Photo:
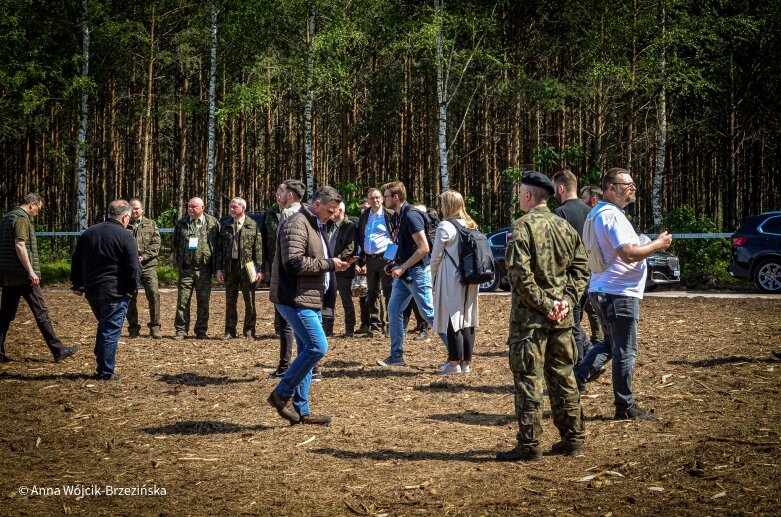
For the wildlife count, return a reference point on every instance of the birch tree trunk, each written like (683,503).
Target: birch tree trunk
(212,90)
(82,184)
(309,101)
(145,166)
(656,197)
(441,101)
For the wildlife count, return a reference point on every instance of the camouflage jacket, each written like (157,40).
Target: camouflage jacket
(147,238)
(546,261)
(203,256)
(247,242)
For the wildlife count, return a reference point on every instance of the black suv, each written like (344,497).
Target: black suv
(756,251)
(663,266)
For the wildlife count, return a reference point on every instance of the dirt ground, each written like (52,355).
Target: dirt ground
(190,419)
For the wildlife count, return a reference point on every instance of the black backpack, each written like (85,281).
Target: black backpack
(476,260)
(431,218)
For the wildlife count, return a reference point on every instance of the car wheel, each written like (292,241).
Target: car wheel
(767,276)
(489,287)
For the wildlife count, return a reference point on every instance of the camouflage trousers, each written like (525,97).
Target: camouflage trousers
(235,281)
(149,281)
(536,354)
(201,281)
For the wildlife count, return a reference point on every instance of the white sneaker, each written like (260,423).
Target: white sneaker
(450,370)
(466,369)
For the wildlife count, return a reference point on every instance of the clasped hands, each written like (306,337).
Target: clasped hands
(559,311)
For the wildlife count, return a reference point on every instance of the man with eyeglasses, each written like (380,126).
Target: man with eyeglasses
(106,270)
(20,273)
(615,293)
(375,233)
(194,247)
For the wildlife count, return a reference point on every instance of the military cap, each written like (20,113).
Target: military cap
(297,187)
(537,179)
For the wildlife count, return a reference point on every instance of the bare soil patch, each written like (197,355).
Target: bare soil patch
(190,417)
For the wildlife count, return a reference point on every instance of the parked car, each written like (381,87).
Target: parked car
(663,266)
(756,251)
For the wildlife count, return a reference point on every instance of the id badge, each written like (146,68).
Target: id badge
(390,252)
(192,244)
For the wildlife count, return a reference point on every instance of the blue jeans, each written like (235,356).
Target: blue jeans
(311,345)
(618,316)
(111,317)
(416,285)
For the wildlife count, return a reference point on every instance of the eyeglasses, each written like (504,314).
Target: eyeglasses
(387,195)
(630,184)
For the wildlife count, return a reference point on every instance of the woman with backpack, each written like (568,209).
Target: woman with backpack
(455,305)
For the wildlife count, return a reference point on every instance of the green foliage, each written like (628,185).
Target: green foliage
(166,218)
(167,275)
(350,192)
(703,261)
(56,272)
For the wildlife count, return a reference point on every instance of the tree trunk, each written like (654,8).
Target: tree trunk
(82,183)
(309,101)
(212,95)
(656,197)
(145,166)
(441,101)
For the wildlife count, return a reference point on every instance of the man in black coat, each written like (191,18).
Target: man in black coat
(106,270)
(341,234)
(575,212)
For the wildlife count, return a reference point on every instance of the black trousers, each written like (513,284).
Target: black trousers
(344,288)
(285,332)
(32,294)
(460,344)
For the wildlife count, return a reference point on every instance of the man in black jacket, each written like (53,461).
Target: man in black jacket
(341,235)
(106,270)
(574,211)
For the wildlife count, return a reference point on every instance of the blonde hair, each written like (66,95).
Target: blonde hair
(452,205)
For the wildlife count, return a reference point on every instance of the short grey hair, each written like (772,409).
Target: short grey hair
(138,201)
(240,201)
(327,195)
(30,198)
(118,208)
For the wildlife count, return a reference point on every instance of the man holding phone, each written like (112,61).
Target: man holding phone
(342,234)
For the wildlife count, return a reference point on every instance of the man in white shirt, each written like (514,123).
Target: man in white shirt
(616,292)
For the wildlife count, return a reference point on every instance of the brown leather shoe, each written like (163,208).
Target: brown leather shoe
(284,407)
(316,419)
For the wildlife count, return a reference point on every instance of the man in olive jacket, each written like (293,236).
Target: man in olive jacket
(20,274)
(194,246)
(239,249)
(147,238)
(302,283)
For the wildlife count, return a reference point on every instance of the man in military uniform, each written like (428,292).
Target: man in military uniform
(548,270)
(147,238)
(239,254)
(20,274)
(194,246)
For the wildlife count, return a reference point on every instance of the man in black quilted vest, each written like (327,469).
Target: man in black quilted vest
(20,274)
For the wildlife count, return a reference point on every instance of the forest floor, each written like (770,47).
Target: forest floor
(190,419)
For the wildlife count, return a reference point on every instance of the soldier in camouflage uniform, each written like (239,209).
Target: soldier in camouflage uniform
(239,247)
(194,246)
(147,238)
(548,272)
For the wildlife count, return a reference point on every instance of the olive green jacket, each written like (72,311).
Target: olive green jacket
(147,238)
(203,256)
(247,241)
(12,272)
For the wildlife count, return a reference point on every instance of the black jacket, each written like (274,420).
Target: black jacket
(343,243)
(575,212)
(105,264)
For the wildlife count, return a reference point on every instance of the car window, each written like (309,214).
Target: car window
(772,225)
